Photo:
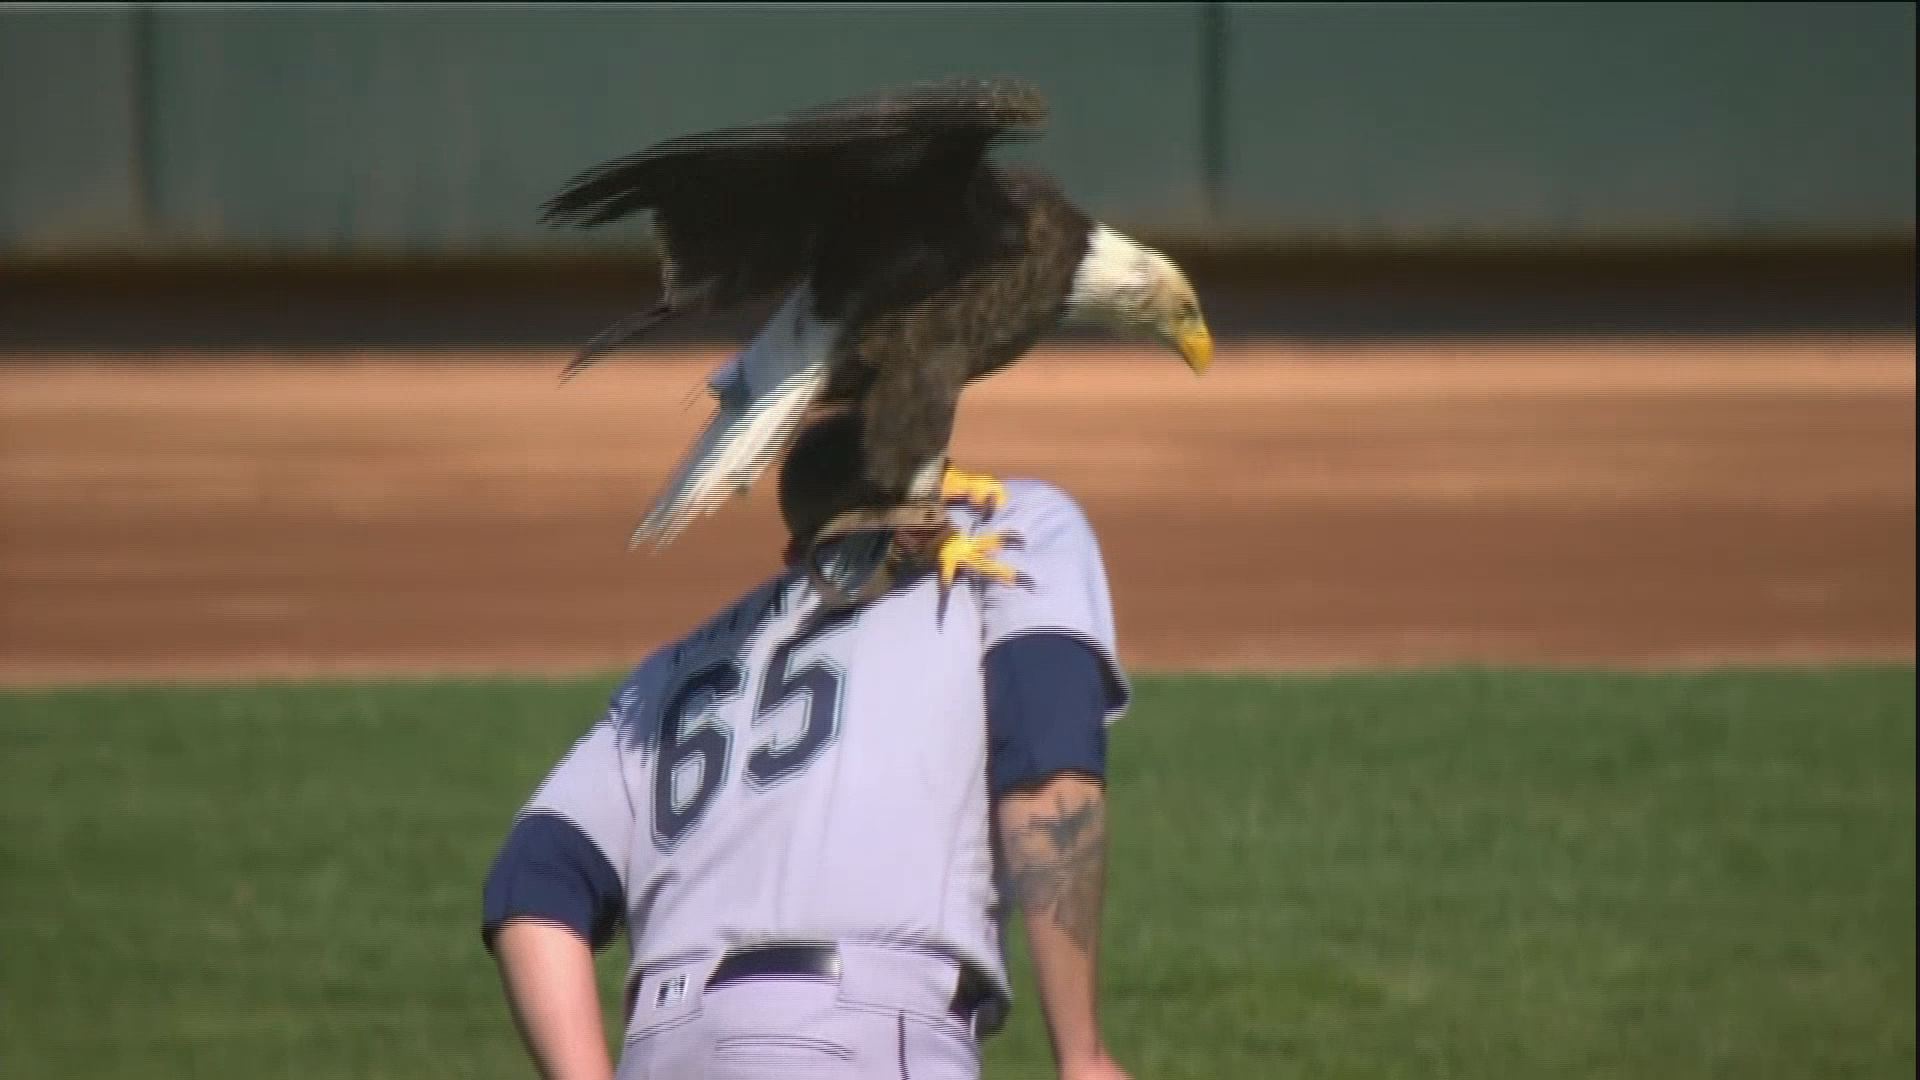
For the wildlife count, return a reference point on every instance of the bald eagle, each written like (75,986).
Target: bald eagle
(910,264)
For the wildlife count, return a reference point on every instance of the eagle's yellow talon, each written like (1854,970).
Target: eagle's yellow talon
(974,554)
(983,493)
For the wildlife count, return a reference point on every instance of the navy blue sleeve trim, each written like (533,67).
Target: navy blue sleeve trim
(1047,697)
(549,870)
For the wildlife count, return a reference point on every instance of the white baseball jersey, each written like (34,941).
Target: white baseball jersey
(777,775)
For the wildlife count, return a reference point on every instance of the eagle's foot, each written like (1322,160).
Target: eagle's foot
(974,554)
(983,493)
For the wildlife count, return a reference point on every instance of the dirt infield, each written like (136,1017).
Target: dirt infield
(1617,504)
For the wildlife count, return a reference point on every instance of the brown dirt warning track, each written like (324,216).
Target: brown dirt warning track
(1615,504)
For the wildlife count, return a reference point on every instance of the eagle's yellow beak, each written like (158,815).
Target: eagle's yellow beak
(1195,345)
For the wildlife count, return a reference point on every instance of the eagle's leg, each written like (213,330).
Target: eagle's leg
(983,493)
(939,481)
(909,422)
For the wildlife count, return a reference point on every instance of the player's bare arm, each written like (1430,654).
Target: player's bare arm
(547,971)
(1057,856)
(1053,840)
(553,897)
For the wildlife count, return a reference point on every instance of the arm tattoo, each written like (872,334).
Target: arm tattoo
(1056,864)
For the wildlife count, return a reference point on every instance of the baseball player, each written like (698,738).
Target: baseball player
(812,821)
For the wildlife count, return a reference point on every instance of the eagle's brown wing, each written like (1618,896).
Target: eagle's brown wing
(738,211)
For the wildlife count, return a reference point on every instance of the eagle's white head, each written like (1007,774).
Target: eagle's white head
(1136,292)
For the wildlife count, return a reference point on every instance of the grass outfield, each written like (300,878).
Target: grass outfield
(1472,875)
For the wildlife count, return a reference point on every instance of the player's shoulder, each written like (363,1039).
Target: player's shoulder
(1040,495)
(1044,514)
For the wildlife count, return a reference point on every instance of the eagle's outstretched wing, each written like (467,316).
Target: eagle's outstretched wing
(737,211)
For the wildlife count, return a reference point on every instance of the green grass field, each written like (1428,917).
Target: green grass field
(1471,875)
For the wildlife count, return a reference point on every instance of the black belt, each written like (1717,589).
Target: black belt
(823,962)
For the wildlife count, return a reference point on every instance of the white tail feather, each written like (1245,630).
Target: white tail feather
(737,445)
(763,393)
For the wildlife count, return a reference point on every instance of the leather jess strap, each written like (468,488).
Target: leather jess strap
(912,531)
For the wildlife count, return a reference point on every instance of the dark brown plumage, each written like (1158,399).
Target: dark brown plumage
(929,265)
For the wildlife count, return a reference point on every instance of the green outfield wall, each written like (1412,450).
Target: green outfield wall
(350,130)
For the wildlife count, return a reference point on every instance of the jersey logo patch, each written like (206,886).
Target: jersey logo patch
(670,992)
